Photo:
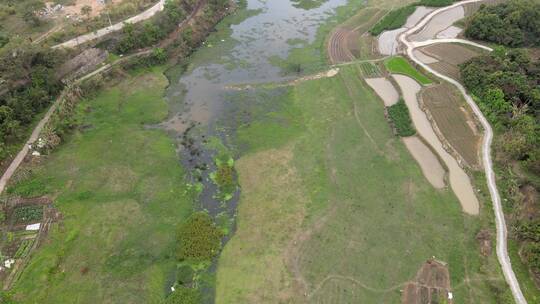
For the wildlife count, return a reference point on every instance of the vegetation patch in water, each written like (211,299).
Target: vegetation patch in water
(399,114)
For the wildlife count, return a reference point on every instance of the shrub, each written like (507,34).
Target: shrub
(184,275)
(198,238)
(399,114)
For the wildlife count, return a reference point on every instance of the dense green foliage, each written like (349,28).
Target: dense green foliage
(505,85)
(198,238)
(28,84)
(399,114)
(397,18)
(150,32)
(513,23)
(529,232)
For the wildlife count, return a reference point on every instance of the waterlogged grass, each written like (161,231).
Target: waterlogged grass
(121,192)
(400,65)
(342,198)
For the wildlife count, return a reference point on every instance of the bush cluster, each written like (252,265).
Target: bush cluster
(198,238)
(514,23)
(399,114)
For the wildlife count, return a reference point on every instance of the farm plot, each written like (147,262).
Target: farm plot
(454,120)
(17,238)
(400,65)
(431,285)
(450,56)
(369,70)
(346,43)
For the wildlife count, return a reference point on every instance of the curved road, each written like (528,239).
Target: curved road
(158,7)
(502,251)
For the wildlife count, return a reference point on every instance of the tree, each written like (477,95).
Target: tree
(86,10)
(30,10)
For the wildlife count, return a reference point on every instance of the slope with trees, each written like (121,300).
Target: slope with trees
(515,23)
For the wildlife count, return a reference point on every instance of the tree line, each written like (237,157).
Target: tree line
(505,84)
(515,23)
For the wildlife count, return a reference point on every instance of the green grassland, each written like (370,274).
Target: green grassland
(344,213)
(121,192)
(400,65)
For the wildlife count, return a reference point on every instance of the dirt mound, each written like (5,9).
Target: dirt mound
(431,285)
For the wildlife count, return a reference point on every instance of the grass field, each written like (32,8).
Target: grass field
(369,217)
(455,120)
(400,65)
(121,191)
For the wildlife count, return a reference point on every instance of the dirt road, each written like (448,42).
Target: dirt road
(158,7)
(502,250)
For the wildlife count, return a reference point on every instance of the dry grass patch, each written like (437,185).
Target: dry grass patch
(253,265)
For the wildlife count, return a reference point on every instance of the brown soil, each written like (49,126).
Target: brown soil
(454,120)
(484,241)
(344,44)
(529,208)
(431,285)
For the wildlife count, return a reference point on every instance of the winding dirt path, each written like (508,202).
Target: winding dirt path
(158,7)
(502,250)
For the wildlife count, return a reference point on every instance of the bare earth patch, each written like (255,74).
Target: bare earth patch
(431,285)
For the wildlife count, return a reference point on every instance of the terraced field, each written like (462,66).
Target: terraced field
(349,41)
(449,56)
(454,120)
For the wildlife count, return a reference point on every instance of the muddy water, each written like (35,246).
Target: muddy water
(198,97)
(257,39)
(439,23)
(459,180)
(428,161)
(385,89)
